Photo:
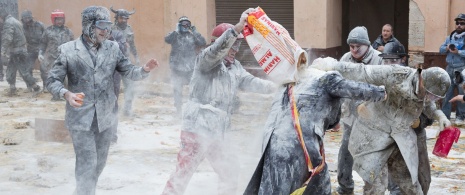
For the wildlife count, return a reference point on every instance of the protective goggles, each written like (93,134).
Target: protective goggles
(432,97)
(236,45)
(186,24)
(103,24)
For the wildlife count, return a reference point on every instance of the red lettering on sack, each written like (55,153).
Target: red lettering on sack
(265,57)
(256,48)
(271,25)
(272,64)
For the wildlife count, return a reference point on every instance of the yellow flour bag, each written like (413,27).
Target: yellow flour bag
(274,49)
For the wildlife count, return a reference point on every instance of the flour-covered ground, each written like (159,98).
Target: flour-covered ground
(145,155)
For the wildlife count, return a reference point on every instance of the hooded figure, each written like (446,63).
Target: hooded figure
(121,24)
(382,137)
(89,63)
(185,42)
(207,114)
(52,38)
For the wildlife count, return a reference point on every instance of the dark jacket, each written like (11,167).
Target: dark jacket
(380,42)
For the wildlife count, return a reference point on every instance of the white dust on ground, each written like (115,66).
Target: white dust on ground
(145,155)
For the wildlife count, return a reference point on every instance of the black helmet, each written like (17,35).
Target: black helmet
(393,50)
(460,17)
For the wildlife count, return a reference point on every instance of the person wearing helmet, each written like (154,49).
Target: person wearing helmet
(360,52)
(52,38)
(89,63)
(384,38)
(206,116)
(33,31)
(382,137)
(453,46)
(14,51)
(394,53)
(185,42)
(121,24)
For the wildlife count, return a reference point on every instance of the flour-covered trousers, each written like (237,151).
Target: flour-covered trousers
(194,149)
(91,148)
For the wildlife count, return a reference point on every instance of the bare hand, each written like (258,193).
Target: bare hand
(75,99)
(150,65)
(243,20)
(381,48)
(457,98)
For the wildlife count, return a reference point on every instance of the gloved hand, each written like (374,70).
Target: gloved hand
(41,58)
(443,122)
(363,111)
(193,29)
(325,64)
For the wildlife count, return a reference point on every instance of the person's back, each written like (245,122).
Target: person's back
(13,35)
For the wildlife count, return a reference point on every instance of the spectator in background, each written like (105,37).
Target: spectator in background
(454,48)
(33,31)
(385,37)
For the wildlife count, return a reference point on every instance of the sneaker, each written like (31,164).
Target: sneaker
(344,191)
(459,121)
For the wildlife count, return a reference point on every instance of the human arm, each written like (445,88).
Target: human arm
(7,39)
(376,75)
(43,45)
(171,37)
(444,48)
(250,83)
(199,40)
(431,112)
(458,98)
(337,86)
(128,70)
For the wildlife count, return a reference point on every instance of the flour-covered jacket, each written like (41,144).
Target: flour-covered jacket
(33,35)
(95,81)
(318,98)
(52,38)
(184,48)
(130,38)
(13,39)
(348,107)
(213,87)
(390,121)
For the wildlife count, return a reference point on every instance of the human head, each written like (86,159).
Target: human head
(358,42)
(58,18)
(460,23)
(96,23)
(217,32)
(26,17)
(393,53)
(184,24)
(436,82)
(386,32)
(121,17)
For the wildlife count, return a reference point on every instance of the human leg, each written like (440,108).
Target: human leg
(192,152)
(224,162)
(85,148)
(400,174)
(344,164)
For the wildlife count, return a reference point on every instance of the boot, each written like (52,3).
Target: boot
(12,91)
(35,90)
